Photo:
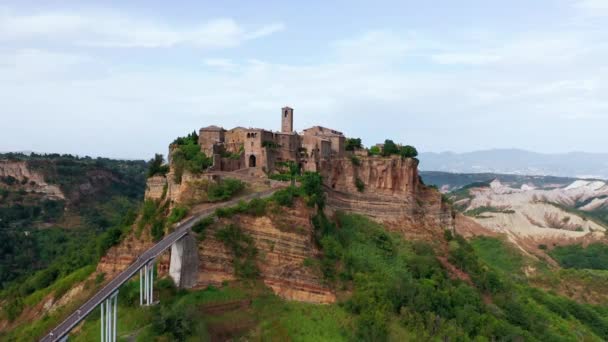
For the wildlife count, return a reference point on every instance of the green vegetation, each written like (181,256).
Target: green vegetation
(153,214)
(477,212)
(390,148)
(224,189)
(239,311)
(270,144)
(360,185)
(176,215)
(156,166)
(594,256)
(400,289)
(43,242)
(353,144)
(375,151)
(355,160)
(242,248)
(287,172)
(389,289)
(187,155)
(201,226)
(234,155)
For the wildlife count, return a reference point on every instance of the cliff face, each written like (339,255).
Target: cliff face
(284,240)
(29,179)
(390,191)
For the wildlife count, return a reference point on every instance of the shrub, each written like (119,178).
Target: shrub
(284,197)
(256,207)
(389,148)
(374,151)
(408,151)
(270,144)
(177,214)
(201,226)
(355,160)
(594,256)
(360,185)
(312,185)
(224,189)
(108,239)
(157,230)
(187,155)
(156,167)
(243,249)
(352,144)
(99,278)
(13,309)
(178,322)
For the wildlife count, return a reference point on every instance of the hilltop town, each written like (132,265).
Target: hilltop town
(262,148)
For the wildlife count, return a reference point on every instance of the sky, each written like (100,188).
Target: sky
(122,79)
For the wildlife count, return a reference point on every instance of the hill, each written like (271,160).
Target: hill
(521,162)
(359,251)
(58,215)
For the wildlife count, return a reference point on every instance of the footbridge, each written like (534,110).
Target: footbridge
(107,297)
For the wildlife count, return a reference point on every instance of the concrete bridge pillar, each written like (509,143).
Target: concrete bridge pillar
(146,284)
(183,268)
(108,318)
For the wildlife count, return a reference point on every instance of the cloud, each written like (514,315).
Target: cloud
(465,58)
(265,31)
(111,30)
(221,63)
(381,83)
(593,7)
(376,46)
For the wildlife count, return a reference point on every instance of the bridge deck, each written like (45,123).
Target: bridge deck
(182,229)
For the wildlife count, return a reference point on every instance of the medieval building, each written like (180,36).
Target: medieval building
(241,147)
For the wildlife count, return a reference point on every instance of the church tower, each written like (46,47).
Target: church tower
(287,120)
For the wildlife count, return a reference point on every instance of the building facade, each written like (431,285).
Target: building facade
(261,148)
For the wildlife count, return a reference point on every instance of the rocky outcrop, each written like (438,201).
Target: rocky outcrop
(156,187)
(121,256)
(284,241)
(29,179)
(389,190)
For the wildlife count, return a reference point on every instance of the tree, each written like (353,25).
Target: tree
(390,148)
(294,171)
(312,184)
(156,166)
(353,144)
(408,151)
(374,151)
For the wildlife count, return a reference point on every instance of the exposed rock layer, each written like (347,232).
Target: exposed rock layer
(391,192)
(31,180)
(284,241)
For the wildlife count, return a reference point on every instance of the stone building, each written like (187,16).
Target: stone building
(241,147)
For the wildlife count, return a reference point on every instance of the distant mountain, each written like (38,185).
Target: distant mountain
(446,181)
(521,162)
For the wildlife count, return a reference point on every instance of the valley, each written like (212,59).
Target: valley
(360,248)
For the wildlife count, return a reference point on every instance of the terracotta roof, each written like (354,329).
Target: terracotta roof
(324,130)
(212,128)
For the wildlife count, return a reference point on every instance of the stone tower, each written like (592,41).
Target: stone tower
(287,120)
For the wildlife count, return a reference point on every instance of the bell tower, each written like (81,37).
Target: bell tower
(286,120)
